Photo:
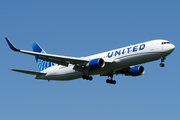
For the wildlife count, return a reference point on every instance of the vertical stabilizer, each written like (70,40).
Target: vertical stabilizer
(42,65)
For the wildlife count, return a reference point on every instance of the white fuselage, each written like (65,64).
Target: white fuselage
(121,58)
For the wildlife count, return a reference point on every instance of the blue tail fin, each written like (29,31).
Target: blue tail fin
(42,65)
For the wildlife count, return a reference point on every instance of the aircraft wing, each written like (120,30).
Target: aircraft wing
(63,60)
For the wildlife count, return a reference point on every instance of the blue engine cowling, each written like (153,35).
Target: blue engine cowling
(96,63)
(136,70)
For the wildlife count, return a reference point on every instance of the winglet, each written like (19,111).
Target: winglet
(11,45)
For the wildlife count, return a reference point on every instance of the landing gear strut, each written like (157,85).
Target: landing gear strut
(162,60)
(111,81)
(87,77)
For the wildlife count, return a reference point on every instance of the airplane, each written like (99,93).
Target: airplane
(124,61)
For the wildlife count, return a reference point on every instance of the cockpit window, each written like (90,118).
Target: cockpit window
(166,43)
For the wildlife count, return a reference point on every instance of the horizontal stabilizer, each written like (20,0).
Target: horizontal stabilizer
(29,72)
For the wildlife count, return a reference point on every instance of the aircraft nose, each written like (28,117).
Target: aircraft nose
(171,48)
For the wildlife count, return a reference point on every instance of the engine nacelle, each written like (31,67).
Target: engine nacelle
(96,63)
(136,71)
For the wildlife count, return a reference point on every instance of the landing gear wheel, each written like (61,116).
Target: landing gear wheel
(107,81)
(90,78)
(162,65)
(114,82)
(111,81)
(84,77)
(87,77)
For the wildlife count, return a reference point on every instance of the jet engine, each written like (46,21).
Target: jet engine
(136,71)
(96,63)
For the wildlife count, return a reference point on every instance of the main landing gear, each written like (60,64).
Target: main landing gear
(111,81)
(87,77)
(162,60)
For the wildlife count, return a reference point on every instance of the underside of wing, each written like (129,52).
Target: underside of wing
(120,71)
(128,71)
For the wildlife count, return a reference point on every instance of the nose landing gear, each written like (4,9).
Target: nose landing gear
(162,65)
(162,60)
